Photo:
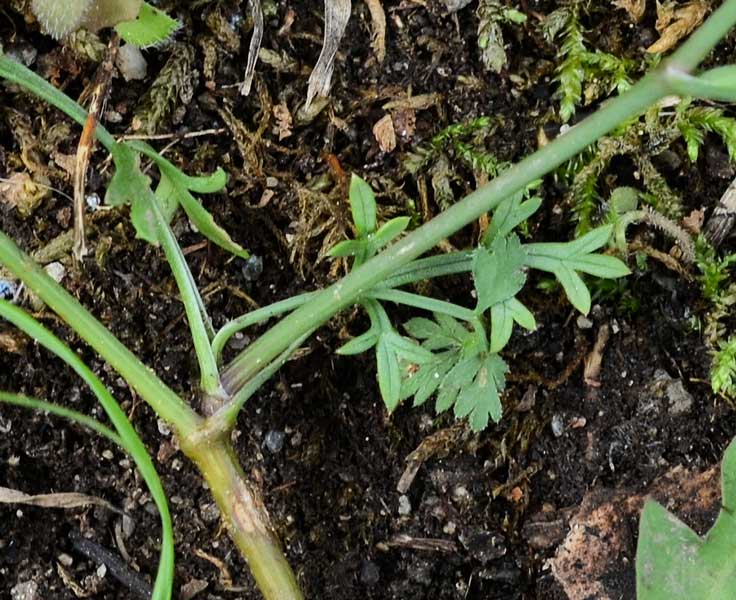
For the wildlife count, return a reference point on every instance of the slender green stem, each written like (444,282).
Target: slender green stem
(429,268)
(382,266)
(345,292)
(424,303)
(162,399)
(62,411)
(684,84)
(128,438)
(209,374)
(254,317)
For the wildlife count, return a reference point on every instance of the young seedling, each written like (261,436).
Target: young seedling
(455,341)
(136,22)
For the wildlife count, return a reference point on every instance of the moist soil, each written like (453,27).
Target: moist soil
(317,439)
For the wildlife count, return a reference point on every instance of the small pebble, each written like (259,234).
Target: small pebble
(131,63)
(370,574)
(28,590)
(93,201)
(275,441)
(253,268)
(56,271)
(65,560)
(404,505)
(558,425)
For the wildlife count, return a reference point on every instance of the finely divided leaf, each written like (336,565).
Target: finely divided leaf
(481,398)
(503,316)
(510,213)
(498,271)
(566,259)
(359,344)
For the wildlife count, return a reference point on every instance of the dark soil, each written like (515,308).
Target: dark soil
(466,527)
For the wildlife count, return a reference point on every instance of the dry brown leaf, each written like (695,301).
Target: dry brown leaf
(61,500)
(10,342)
(418,102)
(283,120)
(675,22)
(256,13)
(635,8)
(693,223)
(22,192)
(384,133)
(378,23)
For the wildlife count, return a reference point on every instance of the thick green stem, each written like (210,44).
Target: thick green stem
(246,518)
(346,291)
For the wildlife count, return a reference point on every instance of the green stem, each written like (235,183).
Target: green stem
(253,318)
(161,398)
(246,518)
(424,303)
(209,374)
(224,420)
(62,411)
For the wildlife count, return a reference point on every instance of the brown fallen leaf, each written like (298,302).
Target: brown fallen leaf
(675,22)
(405,123)
(60,500)
(384,133)
(283,120)
(635,8)
(693,223)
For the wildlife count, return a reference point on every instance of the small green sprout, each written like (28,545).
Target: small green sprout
(136,22)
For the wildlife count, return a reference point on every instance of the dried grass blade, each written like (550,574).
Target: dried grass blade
(60,500)
(255,46)
(337,15)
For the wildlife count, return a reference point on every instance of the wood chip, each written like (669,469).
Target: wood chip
(255,45)
(722,219)
(403,540)
(594,360)
(337,14)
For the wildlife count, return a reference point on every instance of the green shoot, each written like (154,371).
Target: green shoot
(723,369)
(468,373)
